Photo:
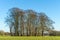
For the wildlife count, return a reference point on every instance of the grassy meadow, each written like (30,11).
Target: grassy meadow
(30,38)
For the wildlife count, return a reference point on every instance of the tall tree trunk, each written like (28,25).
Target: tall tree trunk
(10,30)
(42,32)
(22,26)
(16,27)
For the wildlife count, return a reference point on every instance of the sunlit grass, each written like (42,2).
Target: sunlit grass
(30,38)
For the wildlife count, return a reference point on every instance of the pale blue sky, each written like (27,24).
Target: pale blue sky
(50,7)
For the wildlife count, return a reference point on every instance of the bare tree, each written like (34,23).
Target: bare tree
(13,19)
(21,22)
(45,22)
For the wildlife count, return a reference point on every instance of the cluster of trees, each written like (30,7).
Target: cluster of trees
(28,22)
(54,33)
(2,33)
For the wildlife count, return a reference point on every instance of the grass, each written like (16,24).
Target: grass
(30,38)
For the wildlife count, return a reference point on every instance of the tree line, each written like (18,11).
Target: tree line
(52,33)
(28,22)
(2,33)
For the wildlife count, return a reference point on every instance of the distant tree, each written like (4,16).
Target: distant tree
(2,32)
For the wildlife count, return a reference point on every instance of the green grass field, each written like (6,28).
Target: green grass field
(30,38)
